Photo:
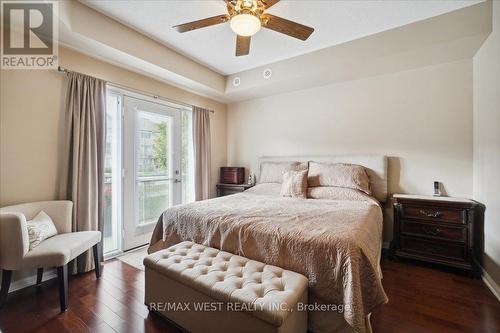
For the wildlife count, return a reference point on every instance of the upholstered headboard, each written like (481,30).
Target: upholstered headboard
(376,167)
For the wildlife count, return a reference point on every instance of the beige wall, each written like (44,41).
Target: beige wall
(421,118)
(487,142)
(32,116)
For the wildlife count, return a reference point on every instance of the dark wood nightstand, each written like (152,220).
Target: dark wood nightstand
(442,230)
(227,189)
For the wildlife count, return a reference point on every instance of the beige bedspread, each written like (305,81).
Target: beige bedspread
(335,243)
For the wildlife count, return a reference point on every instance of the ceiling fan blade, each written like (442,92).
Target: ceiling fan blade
(201,23)
(286,27)
(269,3)
(242,45)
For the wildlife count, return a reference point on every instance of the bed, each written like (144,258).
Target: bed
(335,243)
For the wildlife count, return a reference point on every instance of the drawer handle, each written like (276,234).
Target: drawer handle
(431,249)
(428,214)
(432,232)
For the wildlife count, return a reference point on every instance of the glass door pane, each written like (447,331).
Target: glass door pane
(152,175)
(153,158)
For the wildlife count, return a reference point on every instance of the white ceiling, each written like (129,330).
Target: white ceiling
(335,22)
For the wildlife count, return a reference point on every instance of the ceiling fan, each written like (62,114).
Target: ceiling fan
(246,18)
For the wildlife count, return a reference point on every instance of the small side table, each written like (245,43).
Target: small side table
(227,189)
(441,230)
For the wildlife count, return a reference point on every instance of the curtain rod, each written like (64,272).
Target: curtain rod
(61,69)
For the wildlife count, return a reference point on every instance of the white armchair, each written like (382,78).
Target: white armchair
(56,251)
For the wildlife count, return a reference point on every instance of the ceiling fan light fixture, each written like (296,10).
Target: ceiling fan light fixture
(245,24)
(246,18)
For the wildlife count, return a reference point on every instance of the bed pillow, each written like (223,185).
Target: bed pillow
(40,228)
(336,193)
(272,189)
(339,175)
(272,172)
(294,184)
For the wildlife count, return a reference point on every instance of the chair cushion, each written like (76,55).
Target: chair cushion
(61,249)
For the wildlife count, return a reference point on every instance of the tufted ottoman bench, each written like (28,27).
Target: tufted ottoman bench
(204,289)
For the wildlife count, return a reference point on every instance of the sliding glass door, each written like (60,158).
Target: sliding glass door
(152,166)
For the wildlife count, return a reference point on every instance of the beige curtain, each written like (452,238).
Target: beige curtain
(201,142)
(82,177)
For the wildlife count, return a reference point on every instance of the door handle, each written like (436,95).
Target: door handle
(432,232)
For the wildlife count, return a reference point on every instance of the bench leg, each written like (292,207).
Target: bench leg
(6,278)
(97,263)
(62,276)
(39,276)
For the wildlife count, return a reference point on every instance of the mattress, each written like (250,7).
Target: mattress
(336,244)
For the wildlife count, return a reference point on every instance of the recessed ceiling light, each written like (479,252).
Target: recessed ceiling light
(267,73)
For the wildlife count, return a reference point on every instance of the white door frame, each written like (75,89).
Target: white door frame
(127,208)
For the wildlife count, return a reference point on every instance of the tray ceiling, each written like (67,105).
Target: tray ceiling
(335,22)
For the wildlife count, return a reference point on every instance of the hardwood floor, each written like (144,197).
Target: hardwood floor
(421,299)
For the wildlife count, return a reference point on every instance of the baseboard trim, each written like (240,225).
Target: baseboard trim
(31,281)
(490,283)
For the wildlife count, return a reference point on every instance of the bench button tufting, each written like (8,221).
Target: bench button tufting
(230,275)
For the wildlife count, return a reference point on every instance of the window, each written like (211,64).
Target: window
(112,177)
(187,157)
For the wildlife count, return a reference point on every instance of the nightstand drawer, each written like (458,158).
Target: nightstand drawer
(431,230)
(434,214)
(432,248)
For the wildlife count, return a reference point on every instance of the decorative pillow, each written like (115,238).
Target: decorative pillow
(40,228)
(294,184)
(340,175)
(272,172)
